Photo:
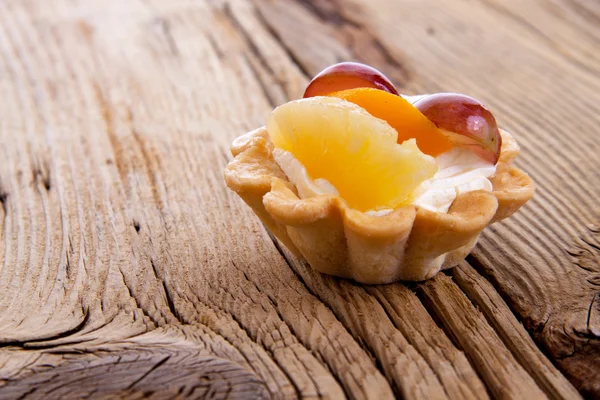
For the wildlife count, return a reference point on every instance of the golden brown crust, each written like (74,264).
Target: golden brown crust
(410,243)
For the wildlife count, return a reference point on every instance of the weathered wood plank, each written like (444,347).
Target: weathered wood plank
(125,262)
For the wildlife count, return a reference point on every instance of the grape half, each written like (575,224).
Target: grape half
(348,75)
(465,121)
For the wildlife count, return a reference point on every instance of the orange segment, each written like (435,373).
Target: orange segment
(401,115)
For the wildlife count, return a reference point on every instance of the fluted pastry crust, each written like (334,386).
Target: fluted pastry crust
(410,243)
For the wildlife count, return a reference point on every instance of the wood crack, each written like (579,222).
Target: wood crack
(171,303)
(527,322)
(41,175)
(329,12)
(247,37)
(215,46)
(165,28)
(3,202)
(589,314)
(378,363)
(277,37)
(39,343)
(152,369)
(27,393)
(431,310)
(257,59)
(138,305)
(260,81)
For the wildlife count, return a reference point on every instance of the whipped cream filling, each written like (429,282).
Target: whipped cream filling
(459,171)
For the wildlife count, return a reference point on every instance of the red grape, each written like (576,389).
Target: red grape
(348,75)
(465,121)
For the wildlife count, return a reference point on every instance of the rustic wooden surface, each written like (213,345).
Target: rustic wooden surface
(127,269)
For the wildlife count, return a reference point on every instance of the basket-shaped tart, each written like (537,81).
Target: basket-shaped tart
(337,230)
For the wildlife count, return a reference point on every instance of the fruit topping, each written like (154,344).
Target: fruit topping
(465,121)
(348,75)
(357,153)
(408,121)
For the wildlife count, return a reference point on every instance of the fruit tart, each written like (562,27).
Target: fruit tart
(374,186)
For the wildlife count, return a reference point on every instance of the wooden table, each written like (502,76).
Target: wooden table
(127,268)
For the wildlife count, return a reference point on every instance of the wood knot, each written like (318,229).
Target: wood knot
(585,252)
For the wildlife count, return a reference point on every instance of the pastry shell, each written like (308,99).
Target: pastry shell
(410,243)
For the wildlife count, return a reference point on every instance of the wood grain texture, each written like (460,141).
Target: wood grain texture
(512,333)
(128,270)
